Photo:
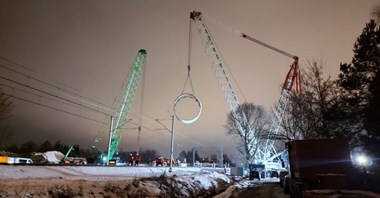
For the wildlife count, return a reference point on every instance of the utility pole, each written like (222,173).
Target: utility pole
(138,141)
(172,145)
(110,140)
(172,140)
(193,156)
(221,157)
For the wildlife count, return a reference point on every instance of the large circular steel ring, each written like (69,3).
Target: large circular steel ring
(187,95)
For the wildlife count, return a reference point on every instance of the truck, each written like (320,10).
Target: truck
(15,160)
(317,164)
(73,160)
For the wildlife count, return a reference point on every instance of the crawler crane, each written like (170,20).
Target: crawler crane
(126,104)
(265,152)
(292,80)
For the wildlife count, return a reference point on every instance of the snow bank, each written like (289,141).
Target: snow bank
(103,181)
(17,172)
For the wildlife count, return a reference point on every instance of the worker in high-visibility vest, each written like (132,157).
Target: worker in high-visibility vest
(130,159)
(137,159)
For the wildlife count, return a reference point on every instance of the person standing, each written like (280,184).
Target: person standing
(137,159)
(130,159)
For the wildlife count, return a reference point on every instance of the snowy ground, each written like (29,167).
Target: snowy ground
(94,181)
(101,181)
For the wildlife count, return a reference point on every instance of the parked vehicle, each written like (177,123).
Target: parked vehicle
(254,174)
(317,164)
(75,161)
(15,160)
(274,173)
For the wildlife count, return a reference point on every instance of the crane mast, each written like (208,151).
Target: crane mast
(292,78)
(218,66)
(126,104)
(269,152)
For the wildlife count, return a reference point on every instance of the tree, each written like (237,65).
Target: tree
(372,115)
(188,155)
(313,113)
(76,152)
(355,77)
(148,155)
(28,147)
(45,146)
(226,160)
(13,148)
(376,13)
(359,81)
(257,120)
(58,146)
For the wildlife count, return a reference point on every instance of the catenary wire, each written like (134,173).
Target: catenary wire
(36,103)
(47,93)
(68,93)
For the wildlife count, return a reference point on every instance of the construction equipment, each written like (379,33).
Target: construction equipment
(68,153)
(73,160)
(101,156)
(126,104)
(292,80)
(218,65)
(317,164)
(265,153)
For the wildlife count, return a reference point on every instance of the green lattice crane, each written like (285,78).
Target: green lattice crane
(121,117)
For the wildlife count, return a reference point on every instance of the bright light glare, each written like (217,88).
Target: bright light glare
(362,160)
(104,159)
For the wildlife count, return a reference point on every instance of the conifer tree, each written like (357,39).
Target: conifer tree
(359,81)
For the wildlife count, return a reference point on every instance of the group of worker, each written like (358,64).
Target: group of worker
(133,160)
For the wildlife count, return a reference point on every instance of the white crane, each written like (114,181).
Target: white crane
(265,152)
(218,65)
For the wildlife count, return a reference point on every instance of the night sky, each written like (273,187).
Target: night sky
(88,47)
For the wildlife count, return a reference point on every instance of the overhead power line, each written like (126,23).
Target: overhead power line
(47,93)
(36,103)
(34,94)
(68,93)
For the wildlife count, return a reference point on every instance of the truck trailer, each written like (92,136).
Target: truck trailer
(317,164)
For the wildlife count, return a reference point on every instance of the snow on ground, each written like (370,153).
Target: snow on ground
(102,181)
(244,183)
(126,181)
(92,172)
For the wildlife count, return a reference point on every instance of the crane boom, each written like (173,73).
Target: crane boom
(126,104)
(268,46)
(292,78)
(218,66)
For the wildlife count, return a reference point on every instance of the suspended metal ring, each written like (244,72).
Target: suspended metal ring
(188,95)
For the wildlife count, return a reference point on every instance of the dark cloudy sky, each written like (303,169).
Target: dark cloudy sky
(88,47)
